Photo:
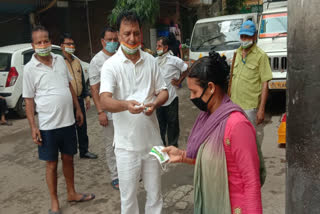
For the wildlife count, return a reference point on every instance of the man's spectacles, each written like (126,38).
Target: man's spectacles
(69,44)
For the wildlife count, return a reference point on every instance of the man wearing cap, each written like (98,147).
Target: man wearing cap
(251,74)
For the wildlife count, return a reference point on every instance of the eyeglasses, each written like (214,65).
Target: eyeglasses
(69,44)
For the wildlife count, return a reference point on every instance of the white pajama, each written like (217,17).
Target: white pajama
(110,156)
(132,165)
(252,116)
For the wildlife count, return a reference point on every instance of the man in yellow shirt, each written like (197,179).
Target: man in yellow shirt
(80,88)
(251,74)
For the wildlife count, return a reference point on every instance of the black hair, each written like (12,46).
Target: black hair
(165,40)
(172,38)
(128,15)
(39,28)
(212,68)
(65,36)
(106,29)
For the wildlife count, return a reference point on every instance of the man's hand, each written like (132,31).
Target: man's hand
(260,117)
(174,153)
(133,107)
(36,136)
(103,119)
(88,104)
(175,82)
(79,117)
(151,107)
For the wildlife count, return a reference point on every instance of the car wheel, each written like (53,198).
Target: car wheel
(21,108)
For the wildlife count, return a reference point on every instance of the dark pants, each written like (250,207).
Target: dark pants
(62,139)
(3,107)
(168,117)
(83,139)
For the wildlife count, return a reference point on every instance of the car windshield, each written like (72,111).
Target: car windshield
(274,25)
(5,62)
(220,35)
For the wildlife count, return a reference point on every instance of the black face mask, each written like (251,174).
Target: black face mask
(203,106)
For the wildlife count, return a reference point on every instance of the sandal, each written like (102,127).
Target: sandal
(84,198)
(51,212)
(7,123)
(115,184)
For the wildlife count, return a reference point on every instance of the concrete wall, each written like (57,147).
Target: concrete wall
(14,29)
(303,126)
(74,20)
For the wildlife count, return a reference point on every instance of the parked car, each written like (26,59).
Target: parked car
(13,58)
(220,34)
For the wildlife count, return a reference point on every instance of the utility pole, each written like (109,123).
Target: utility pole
(303,121)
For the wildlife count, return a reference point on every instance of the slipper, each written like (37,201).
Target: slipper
(7,123)
(83,198)
(58,212)
(115,184)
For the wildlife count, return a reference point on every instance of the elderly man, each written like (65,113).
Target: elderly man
(46,83)
(132,88)
(251,74)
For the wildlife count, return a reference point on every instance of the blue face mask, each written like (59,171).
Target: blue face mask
(111,47)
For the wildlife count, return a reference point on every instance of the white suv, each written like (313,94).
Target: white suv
(13,58)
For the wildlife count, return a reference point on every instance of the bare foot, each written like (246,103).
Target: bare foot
(54,205)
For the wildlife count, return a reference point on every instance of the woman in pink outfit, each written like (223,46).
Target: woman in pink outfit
(229,167)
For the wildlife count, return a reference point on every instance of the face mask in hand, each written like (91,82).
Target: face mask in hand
(111,47)
(246,44)
(203,106)
(43,50)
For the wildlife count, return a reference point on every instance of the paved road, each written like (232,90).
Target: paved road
(22,177)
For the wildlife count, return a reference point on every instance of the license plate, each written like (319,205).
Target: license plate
(277,84)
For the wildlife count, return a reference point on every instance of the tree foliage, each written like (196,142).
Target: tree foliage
(234,6)
(147,10)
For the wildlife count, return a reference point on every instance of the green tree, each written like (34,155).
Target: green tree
(147,10)
(234,6)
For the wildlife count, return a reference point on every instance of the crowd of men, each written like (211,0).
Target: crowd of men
(136,100)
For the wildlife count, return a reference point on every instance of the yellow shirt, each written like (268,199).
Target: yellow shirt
(248,76)
(75,70)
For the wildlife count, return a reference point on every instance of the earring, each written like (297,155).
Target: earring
(211,92)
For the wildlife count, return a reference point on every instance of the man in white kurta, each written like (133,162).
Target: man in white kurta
(132,88)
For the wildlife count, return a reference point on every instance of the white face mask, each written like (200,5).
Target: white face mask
(43,51)
(160,52)
(162,157)
(128,50)
(246,44)
(69,50)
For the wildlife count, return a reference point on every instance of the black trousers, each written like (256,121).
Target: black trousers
(83,140)
(3,107)
(168,117)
